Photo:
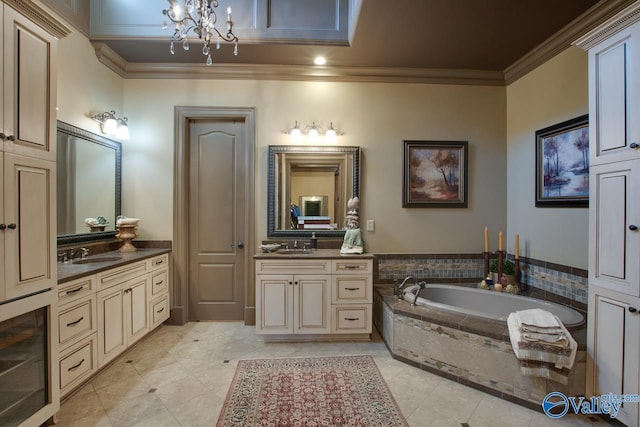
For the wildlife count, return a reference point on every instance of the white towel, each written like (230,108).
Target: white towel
(538,318)
(557,340)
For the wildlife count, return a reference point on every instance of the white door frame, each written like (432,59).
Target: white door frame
(180,292)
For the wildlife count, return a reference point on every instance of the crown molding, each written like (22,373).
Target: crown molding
(297,73)
(610,27)
(564,38)
(40,16)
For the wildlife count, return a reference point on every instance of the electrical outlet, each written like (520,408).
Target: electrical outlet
(371,225)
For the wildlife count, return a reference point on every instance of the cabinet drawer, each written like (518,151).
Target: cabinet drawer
(120,274)
(294,266)
(77,320)
(159,282)
(351,319)
(77,364)
(76,289)
(161,261)
(352,288)
(159,310)
(349,266)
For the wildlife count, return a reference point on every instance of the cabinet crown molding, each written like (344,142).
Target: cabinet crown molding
(40,16)
(615,24)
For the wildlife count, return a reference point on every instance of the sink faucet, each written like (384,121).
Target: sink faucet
(398,288)
(73,252)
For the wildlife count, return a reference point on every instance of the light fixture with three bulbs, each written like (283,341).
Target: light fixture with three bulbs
(313,132)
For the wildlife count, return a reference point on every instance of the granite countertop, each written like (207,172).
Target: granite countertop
(311,254)
(69,271)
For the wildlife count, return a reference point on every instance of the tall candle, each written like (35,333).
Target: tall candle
(500,242)
(517,248)
(486,239)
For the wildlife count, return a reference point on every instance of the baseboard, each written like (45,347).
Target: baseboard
(177,316)
(249,316)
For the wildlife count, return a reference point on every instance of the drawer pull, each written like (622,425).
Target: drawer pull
(73,291)
(352,267)
(76,322)
(159,283)
(75,366)
(161,310)
(158,262)
(351,289)
(351,318)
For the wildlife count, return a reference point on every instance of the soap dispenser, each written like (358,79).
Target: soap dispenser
(314,241)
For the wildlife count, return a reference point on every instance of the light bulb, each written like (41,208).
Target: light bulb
(313,134)
(110,126)
(330,136)
(123,132)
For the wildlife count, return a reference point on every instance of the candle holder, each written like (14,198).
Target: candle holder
(523,287)
(500,261)
(486,264)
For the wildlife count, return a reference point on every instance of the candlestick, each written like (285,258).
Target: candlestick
(517,248)
(500,242)
(229,13)
(486,239)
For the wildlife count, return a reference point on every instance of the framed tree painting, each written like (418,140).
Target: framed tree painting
(562,164)
(435,174)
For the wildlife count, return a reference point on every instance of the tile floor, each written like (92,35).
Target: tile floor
(179,376)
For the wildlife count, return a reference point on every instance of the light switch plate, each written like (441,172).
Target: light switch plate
(371,225)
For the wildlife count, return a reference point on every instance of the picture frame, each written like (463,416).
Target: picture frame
(562,164)
(435,174)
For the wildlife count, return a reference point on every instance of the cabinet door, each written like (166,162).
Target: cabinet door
(312,304)
(614,218)
(111,324)
(29,87)
(614,67)
(613,346)
(29,212)
(274,296)
(136,306)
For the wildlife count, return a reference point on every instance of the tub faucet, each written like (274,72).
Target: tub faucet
(398,289)
(421,285)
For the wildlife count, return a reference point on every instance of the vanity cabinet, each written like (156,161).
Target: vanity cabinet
(103,314)
(613,323)
(298,296)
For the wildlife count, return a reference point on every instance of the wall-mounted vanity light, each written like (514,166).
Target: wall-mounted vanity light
(313,132)
(111,125)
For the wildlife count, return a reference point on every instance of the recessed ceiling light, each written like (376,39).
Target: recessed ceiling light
(320,60)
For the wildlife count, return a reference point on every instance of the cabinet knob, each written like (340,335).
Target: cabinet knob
(633,227)
(239,245)
(290,282)
(632,309)
(7,137)
(3,226)
(634,145)
(12,226)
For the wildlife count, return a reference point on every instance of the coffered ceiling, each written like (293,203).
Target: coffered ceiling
(490,42)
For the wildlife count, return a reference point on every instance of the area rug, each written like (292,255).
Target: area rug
(314,391)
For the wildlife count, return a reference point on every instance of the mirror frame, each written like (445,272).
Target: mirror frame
(65,128)
(271,186)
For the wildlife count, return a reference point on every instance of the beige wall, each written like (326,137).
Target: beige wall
(554,92)
(376,117)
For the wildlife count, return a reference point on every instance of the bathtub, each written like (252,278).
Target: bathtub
(487,304)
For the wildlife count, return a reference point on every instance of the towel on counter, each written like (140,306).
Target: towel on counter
(548,354)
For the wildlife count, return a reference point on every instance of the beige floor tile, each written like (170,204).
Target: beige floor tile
(127,388)
(199,411)
(492,411)
(132,411)
(86,405)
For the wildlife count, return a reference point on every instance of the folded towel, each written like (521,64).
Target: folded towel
(558,340)
(538,318)
(538,351)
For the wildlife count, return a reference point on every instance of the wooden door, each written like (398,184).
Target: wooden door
(29,87)
(136,310)
(312,304)
(29,202)
(614,351)
(614,220)
(111,324)
(217,210)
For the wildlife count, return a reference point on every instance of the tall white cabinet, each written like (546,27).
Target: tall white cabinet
(613,343)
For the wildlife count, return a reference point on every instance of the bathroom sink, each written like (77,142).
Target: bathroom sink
(295,251)
(95,259)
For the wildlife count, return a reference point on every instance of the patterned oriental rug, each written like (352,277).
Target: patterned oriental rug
(316,391)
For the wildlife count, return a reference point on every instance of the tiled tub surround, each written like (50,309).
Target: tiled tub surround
(545,280)
(469,350)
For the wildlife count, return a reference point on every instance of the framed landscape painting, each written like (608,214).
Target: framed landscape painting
(435,174)
(562,164)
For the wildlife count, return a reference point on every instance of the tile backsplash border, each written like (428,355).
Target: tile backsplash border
(545,280)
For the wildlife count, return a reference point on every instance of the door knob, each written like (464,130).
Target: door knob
(632,309)
(634,145)
(633,227)
(239,245)
(12,226)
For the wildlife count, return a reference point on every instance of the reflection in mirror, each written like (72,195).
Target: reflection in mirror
(88,184)
(309,188)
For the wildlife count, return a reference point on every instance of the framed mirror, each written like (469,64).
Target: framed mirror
(89,184)
(308,189)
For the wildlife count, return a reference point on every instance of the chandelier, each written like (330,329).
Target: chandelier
(199,16)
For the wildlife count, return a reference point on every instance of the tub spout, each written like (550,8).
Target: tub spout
(398,288)
(421,285)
